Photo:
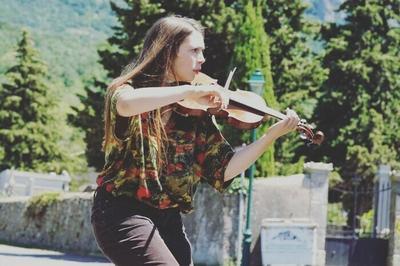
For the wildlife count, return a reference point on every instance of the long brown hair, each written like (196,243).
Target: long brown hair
(154,63)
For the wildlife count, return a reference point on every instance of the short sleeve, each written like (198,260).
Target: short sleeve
(119,124)
(213,154)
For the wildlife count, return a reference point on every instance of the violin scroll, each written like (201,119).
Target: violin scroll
(307,133)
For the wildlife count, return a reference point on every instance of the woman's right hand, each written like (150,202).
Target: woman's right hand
(213,95)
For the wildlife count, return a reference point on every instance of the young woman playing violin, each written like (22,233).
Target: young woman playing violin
(155,156)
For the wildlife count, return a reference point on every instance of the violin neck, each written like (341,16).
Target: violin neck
(265,112)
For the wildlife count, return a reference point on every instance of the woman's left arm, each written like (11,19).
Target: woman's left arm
(246,156)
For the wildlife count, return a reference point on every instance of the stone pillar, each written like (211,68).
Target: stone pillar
(317,181)
(382,208)
(394,237)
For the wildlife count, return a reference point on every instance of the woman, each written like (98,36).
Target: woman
(155,156)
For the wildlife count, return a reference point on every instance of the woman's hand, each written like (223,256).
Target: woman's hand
(213,95)
(286,125)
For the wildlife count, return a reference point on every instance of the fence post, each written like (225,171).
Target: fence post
(382,210)
(29,186)
(394,236)
(10,185)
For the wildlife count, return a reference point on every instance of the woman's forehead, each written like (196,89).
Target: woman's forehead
(195,40)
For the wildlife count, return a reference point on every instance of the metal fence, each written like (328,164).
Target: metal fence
(349,245)
(20,183)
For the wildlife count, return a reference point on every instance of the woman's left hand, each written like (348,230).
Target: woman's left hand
(286,125)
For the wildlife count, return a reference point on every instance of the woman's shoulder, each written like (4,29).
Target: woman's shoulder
(127,86)
(122,89)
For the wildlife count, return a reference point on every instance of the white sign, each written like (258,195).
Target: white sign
(288,243)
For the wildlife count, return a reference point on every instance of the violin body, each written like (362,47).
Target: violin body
(234,114)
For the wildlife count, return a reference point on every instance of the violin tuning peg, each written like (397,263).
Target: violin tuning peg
(303,121)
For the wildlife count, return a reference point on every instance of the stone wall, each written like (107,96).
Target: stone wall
(63,225)
(297,197)
(213,228)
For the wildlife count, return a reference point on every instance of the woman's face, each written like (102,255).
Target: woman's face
(189,58)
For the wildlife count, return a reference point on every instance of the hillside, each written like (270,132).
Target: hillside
(67,33)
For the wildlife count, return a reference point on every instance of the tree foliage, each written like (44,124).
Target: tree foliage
(88,118)
(31,125)
(359,107)
(296,72)
(251,52)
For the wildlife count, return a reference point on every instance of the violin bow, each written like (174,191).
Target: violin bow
(229,79)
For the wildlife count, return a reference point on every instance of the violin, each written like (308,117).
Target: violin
(245,110)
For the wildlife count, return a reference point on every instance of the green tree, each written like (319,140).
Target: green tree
(296,71)
(251,52)
(31,125)
(360,104)
(88,118)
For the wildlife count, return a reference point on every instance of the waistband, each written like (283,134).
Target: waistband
(122,201)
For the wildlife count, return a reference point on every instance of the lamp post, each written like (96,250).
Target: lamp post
(256,83)
(356,180)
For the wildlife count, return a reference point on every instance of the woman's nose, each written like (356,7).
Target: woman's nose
(201,58)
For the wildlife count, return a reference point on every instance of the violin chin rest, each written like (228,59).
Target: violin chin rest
(203,79)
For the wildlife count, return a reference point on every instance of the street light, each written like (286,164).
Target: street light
(356,180)
(256,84)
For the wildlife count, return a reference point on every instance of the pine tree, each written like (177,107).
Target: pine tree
(251,52)
(88,118)
(359,108)
(30,125)
(296,72)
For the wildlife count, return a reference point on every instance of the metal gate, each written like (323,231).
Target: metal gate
(345,246)
(356,252)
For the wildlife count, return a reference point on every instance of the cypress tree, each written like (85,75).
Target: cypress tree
(251,52)
(30,125)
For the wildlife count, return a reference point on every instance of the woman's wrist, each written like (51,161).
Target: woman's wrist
(188,90)
(273,133)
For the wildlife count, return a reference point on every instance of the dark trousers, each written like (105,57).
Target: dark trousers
(131,233)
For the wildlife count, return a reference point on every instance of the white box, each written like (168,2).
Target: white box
(288,242)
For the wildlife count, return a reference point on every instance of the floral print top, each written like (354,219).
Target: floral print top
(196,151)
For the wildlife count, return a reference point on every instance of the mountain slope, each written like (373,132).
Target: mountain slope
(66,33)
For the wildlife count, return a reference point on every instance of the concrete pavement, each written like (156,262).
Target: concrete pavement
(19,256)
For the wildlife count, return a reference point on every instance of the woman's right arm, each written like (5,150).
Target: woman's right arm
(131,101)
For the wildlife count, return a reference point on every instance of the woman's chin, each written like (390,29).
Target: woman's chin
(194,76)
(189,79)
